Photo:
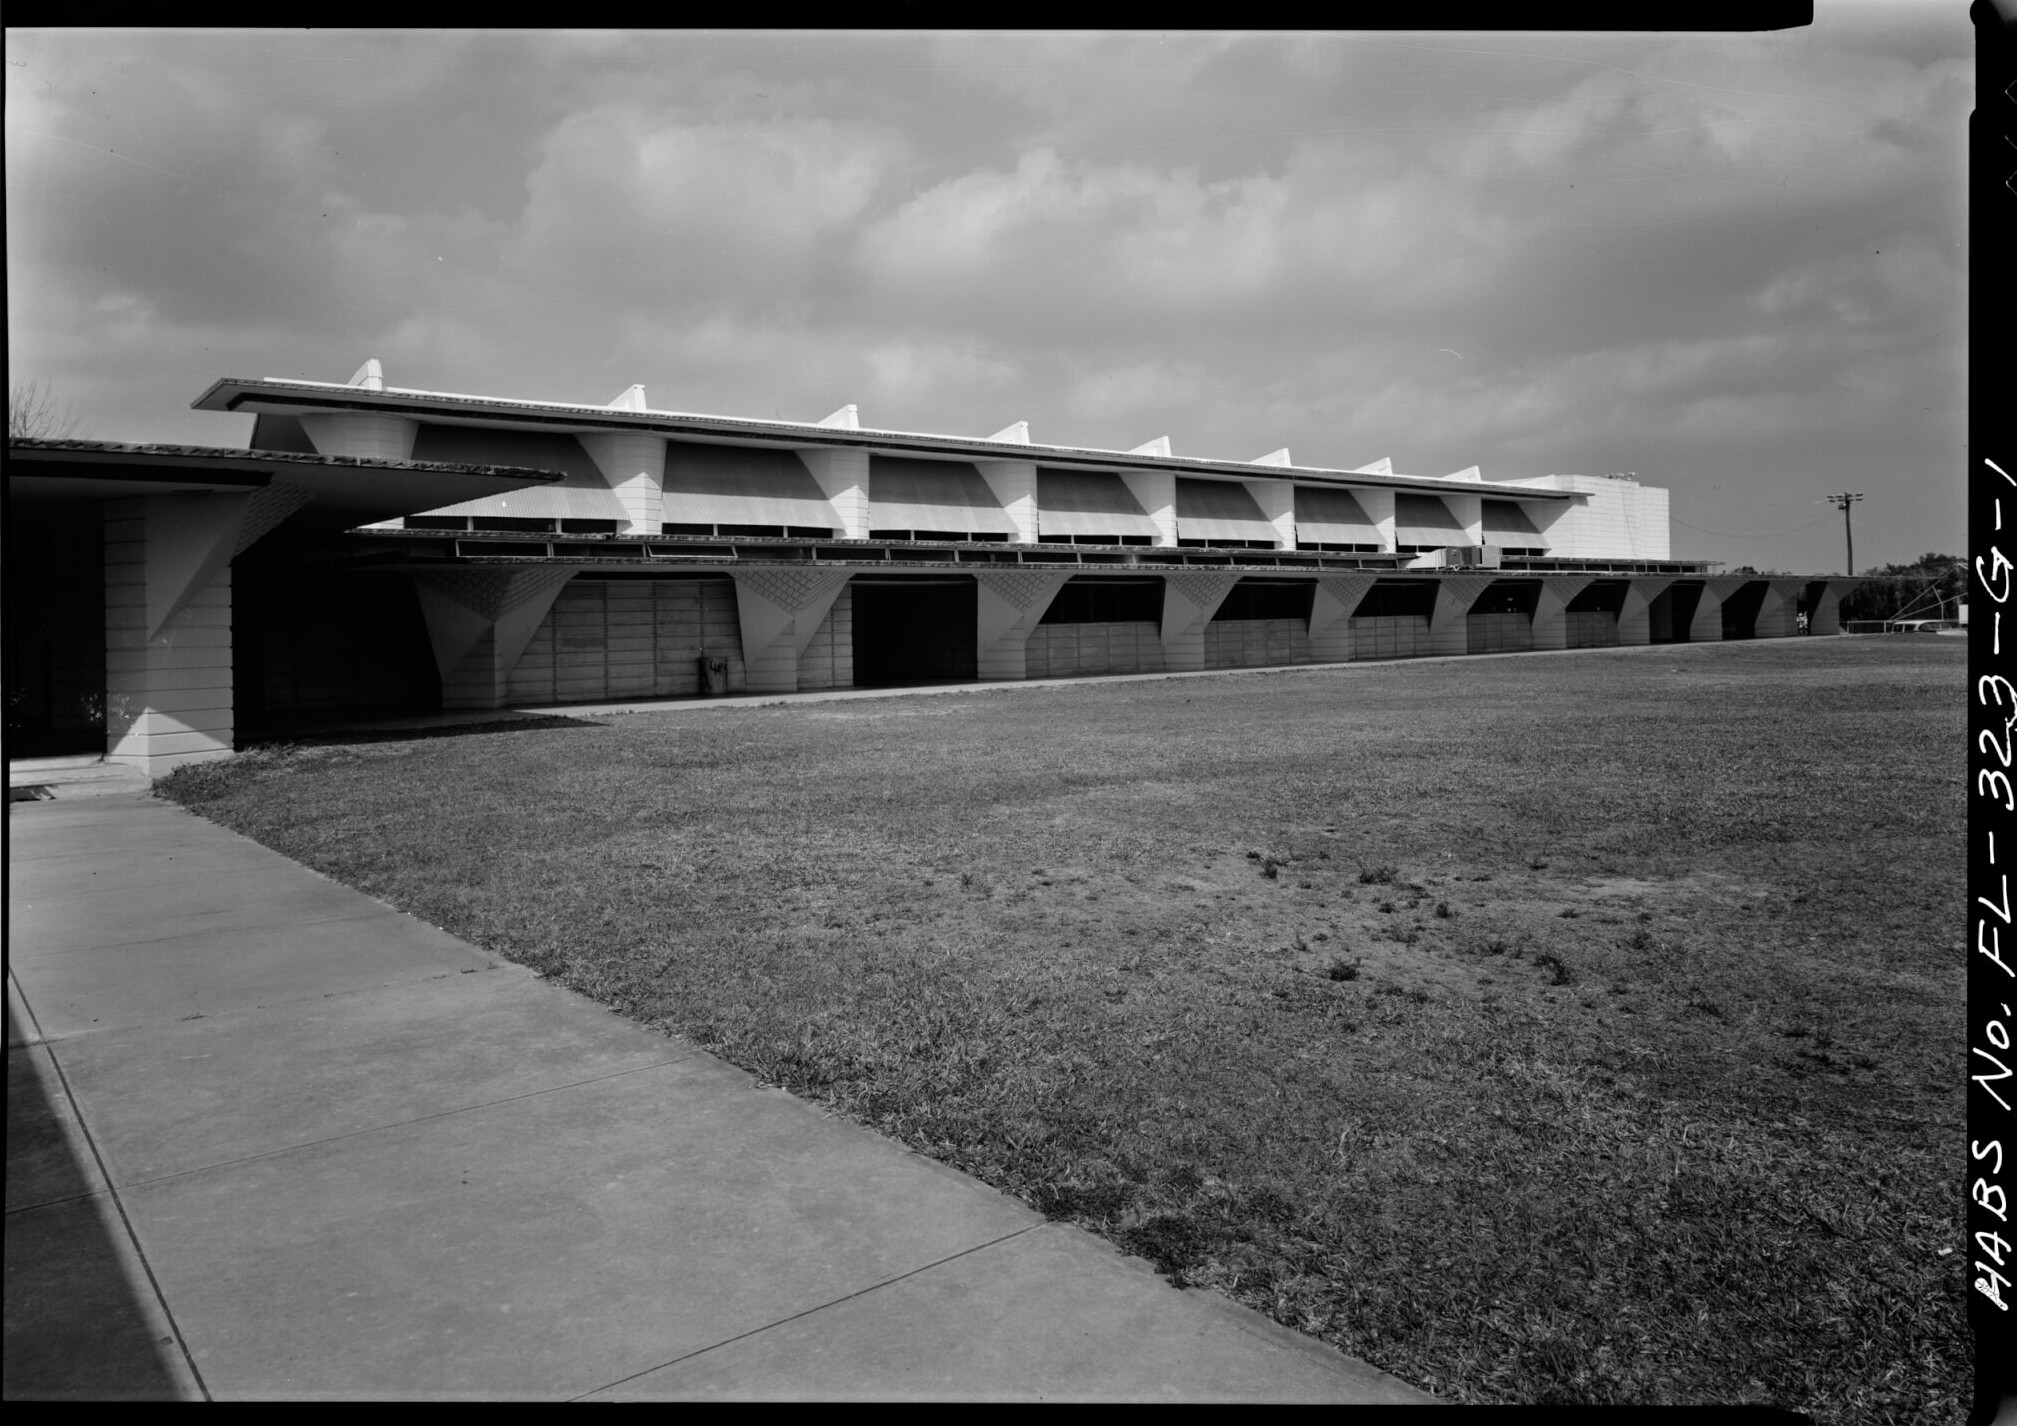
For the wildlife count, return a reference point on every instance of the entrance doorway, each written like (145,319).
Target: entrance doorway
(55,637)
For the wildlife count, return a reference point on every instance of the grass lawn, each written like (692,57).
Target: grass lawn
(1538,1029)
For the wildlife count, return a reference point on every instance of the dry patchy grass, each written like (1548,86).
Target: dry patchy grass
(1544,1030)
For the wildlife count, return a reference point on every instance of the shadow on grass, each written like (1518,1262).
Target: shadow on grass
(343,737)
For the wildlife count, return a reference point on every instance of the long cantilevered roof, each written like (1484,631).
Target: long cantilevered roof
(343,491)
(280,395)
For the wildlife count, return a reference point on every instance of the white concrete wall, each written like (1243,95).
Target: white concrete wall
(1156,492)
(1277,499)
(1014,483)
(168,697)
(633,462)
(1616,519)
(842,477)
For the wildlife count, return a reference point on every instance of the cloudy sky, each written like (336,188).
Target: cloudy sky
(1734,264)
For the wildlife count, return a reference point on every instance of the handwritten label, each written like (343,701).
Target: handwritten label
(1992,978)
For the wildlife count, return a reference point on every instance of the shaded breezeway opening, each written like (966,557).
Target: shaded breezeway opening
(55,644)
(1398,599)
(1267,599)
(915,629)
(1592,615)
(1392,620)
(1672,611)
(1740,611)
(1501,620)
(311,643)
(1261,623)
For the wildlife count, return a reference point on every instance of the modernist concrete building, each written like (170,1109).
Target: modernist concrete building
(805,555)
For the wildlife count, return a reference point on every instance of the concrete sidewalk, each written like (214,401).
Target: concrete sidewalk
(269,1138)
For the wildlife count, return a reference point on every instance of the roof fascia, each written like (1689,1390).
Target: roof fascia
(237,394)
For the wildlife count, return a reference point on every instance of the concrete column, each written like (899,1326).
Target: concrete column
(842,477)
(1190,598)
(362,433)
(1010,605)
(779,611)
(1156,492)
(1277,499)
(168,688)
(1379,508)
(1337,595)
(1014,483)
(1633,624)
(1455,594)
(633,462)
(1551,612)
(1707,625)
(1776,611)
(479,620)
(1826,615)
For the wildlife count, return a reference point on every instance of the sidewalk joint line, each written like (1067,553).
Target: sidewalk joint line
(844,1297)
(126,1223)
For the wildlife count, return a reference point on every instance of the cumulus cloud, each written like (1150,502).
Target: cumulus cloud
(629,187)
(1534,252)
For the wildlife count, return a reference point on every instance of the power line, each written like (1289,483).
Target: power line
(1767,535)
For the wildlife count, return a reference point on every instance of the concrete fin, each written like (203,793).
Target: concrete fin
(525,607)
(1013,600)
(452,627)
(190,538)
(772,602)
(266,510)
(848,418)
(811,614)
(1383,466)
(1016,434)
(1280,457)
(1337,595)
(1191,598)
(1469,472)
(631,400)
(370,376)
(1160,446)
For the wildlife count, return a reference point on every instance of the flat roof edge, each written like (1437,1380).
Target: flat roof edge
(811,433)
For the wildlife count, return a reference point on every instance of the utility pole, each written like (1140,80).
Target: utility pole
(1843,502)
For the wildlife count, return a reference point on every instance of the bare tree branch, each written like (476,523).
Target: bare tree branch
(34,411)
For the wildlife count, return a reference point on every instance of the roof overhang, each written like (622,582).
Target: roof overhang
(343,491)
(277,397)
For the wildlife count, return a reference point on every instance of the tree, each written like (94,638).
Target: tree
(1920,589)
(35,412)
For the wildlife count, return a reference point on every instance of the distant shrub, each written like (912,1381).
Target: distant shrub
(1383,875)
